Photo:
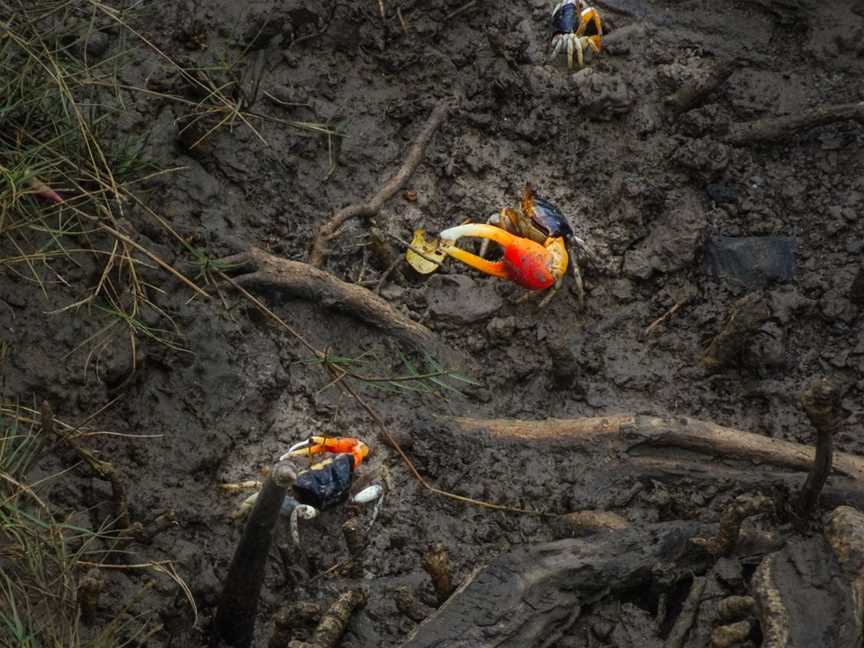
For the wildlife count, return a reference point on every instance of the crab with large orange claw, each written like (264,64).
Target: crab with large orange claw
(577,27)
(540,221)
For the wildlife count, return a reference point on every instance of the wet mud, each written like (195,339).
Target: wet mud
(644,185)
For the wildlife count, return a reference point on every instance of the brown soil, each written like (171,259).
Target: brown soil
(600,143)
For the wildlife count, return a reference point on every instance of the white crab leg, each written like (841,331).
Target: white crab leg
(494,219)
(557,42)
(570,39)
(301,511)
(579,50)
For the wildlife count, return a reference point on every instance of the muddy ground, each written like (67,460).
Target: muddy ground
(600,143)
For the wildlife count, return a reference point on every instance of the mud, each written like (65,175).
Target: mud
(643,187)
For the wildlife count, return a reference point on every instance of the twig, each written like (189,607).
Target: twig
(386,275)
(664,317)
(678,634)
(103,469)
(458,12)
(330,229)
(821,404)
(778,129)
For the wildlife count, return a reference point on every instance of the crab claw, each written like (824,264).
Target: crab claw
(526,263)
(336,445)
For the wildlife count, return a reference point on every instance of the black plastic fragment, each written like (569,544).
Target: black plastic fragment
(754,261)
(721,193)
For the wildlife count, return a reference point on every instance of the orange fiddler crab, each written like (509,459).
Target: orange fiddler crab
(576,27)
(537,243)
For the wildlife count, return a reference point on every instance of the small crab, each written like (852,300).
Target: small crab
(536,241)
(576,26)
(324,484)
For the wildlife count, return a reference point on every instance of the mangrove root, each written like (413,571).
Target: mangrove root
(256,269)
(821,403)
(369,208)
(778,129)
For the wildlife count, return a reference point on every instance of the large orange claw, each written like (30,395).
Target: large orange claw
(525,262)
(335,445)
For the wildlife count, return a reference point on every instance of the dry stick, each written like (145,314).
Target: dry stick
(332,626)
(665,316)
(678,634)
(821,403)
(776,129)
(235,616)
(330,229)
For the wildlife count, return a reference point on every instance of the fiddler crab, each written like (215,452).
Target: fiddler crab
(321,485)
(577,28)
(535,240)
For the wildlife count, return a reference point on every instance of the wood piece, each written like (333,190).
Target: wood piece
(678,634)
(355,539)
(694,94)
(437,564)
(335,620)
(779,129)
(235,616)
(533,595)
(371,206)
(730,523)
(821,403)
(262,271)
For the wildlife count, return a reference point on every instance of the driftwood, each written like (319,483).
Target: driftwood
(778,129)
(370,207)
(533,595)
(256,269)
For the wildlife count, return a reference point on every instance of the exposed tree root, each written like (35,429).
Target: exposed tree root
(633,438)
(371,206)
(263,271)
(678,634)
(778,129)
(533,595)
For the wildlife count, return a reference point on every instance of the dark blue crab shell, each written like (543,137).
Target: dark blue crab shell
(566,19)
(549,218)
(325,484)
